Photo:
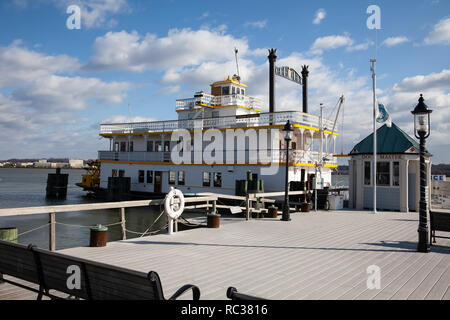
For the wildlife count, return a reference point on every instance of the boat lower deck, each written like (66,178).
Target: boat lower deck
(322,255)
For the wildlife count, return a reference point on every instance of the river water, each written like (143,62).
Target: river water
(26,188)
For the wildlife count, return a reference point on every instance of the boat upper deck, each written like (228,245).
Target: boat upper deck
(253,120)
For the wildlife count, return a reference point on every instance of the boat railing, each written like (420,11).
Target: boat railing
(253,120)
(205,99)
(250,156)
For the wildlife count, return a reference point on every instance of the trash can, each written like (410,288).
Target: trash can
(98,236)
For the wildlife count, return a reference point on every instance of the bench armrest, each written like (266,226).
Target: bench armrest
(183,289)
(234,295)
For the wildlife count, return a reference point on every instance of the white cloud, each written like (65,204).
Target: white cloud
(180,48)
(40,98)
(394,41)
(94,13)
(320,15)
(330,42)
(261,24)
(440,33)
(439,80)
(360,46)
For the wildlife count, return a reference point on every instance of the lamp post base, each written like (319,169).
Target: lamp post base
(285,216)
(423,245)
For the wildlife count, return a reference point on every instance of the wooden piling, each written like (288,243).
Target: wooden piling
(52,232)
(123,223)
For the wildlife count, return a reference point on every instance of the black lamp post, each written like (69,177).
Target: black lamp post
(287,137)
(422,131)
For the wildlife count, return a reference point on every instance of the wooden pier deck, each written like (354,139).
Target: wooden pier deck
(321,255)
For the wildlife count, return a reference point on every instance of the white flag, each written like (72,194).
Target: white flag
(382,115)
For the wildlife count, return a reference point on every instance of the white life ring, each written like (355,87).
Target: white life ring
(172,209)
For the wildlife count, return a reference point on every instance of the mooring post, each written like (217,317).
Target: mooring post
(52,231)
(123,223)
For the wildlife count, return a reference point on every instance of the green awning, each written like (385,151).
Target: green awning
(389,140)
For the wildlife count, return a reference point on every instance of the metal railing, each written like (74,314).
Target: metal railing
(254,120)
(251,156)
(225,100)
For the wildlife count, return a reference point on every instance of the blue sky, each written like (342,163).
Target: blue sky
(57,85)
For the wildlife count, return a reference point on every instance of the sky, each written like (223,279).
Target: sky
(133,58)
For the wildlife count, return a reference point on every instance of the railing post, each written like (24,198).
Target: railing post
(175,222)
(52,231)
(123,223)
(214,207)
(207,208)
(247,207)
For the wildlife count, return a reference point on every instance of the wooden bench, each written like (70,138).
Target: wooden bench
(97,281)
(233,294)
(439,221)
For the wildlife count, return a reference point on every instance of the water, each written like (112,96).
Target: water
(26,188)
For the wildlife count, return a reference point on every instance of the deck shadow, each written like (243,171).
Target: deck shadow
(390,248)
(409,246)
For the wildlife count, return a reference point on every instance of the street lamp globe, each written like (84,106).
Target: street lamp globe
(288,131)
(421,119)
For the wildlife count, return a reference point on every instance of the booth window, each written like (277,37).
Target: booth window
(396,174)
(181,178)
(218,179)
(149,176)
(225,91)
(141,176)
(367,173)
(206,179)
(383,173)
(171,177)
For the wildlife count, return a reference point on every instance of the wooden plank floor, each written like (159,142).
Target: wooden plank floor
(321,255)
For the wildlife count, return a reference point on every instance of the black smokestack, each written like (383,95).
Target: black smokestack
(305,74)
(272,59)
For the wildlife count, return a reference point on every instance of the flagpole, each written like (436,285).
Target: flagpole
(374,177)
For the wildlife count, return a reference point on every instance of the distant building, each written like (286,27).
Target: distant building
(76,163)
(398,175)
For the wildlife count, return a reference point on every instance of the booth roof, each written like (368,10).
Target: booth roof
(389,140)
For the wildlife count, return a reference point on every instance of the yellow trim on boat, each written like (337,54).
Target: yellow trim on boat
(296,164)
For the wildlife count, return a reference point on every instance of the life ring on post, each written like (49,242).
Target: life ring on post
(173,208)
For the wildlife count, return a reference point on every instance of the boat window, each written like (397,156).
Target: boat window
(131,146)
(242,91)
(225,91)
(367,173)
(141,176)
(116,146)
(215,114)
(149,176)
(158,146)
(172,177)
(121,173)
(181,178)
(166,146)
(149,146)
(123,147)
(206,179)
(293,145)
(233,90)
(396,174)
(383,173)
(114,173)
(218,179)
